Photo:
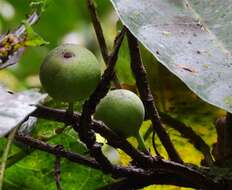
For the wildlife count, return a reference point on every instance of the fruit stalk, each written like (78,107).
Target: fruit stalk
(141,143)
(70,108)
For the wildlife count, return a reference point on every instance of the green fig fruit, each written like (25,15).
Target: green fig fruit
(123,112)
(70,73)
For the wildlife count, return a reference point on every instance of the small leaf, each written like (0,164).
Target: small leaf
(32,38)
(14,108)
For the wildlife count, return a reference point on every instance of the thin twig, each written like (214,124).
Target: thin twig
(100,37)
(147,98)
(83,128)
(98,30)
(57,169)
(112,138)
(160,178)
(188,133)
(5,156)
(148,132)
(74,157)
(154,145)
(118,171)
(162,172)
(118,142)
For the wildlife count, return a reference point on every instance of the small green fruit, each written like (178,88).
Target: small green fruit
(123,112)
(70,73)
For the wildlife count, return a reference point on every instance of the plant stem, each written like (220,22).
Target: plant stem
(57,171)
(5,156)
(100,37)
(147,98)
(147,133)
(70,108)
(141,144)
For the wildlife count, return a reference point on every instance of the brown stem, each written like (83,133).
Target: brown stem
(161,172)
(57,170)
(100,37)
(112,138)
(83,128)
(98,30)
(147,98)
(160,178)
(188,133)
(74,157)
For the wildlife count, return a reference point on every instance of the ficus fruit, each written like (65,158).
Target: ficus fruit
(123,112)
(70,73)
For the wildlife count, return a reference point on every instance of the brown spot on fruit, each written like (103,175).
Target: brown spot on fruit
(68,55)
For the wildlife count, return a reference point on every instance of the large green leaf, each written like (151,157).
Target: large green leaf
(192,38)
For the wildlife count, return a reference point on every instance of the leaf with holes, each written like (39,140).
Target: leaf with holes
(192,38)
